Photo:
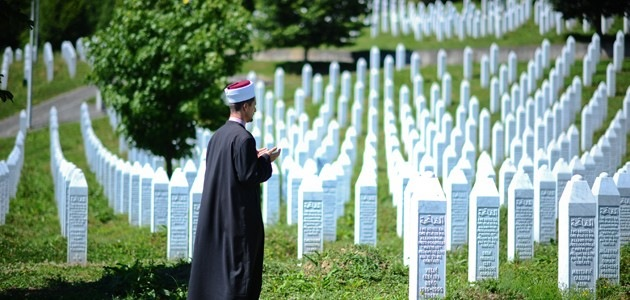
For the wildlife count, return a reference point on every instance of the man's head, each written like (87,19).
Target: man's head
(241,98)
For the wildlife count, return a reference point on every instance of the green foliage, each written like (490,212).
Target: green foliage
(13,21)
(591,10)
(162,66)
(62,20)
(309,23)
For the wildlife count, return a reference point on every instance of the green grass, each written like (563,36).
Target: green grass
(42,89)
(127,262)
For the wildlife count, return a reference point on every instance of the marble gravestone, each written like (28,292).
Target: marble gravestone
(177,216)
(329,201)
(146,183)
(622,180)
(457,191)
(134,193)
(520,217)
(77,219)
(271,197)
(608,253)
(545,205)
(310,216)
(194,203)
(427,268)
(483,231)
(365,209)
(577,236)
(159,196)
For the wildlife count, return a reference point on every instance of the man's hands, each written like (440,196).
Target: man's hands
(273,152)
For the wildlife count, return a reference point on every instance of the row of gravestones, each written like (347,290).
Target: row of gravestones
(11,169)
(414,233)
(148,196)
(444,21)
(71,195)
(69,53)
(591,228)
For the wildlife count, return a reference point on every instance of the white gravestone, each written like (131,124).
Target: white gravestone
(146,195)
(608,254)
(177,216)
(457,190)
(194,198)
(498,139)
(159,196)
(328,180)
(483,231)
(520,217)
(577,237)
(622,180)
(271,197)
(545,203)
(365,212)
(310,216)
(506,173)
(427,269)
(134,192)
(294,180)
(77,218)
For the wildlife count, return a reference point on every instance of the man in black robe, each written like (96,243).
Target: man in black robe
(228,252)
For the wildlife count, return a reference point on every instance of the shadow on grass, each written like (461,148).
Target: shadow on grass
(138,281)
(321,67)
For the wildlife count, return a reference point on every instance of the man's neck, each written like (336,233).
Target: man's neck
(236,117)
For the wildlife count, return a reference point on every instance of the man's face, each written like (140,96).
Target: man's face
(250,109)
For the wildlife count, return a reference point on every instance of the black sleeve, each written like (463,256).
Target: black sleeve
(251,169)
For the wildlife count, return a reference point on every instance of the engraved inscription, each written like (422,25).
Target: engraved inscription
(145,203)
(134,203)
(312,225)
(523,226)
(624,220)
(160,205)
(582,252)
(330,218)
(487,242)
(178,225)
(547,214)
(459,218)
(608,242)
(77,228)
(367,217)
(431,255)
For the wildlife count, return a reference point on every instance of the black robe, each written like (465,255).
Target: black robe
(228,252)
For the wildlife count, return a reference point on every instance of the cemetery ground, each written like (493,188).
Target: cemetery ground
(128,262)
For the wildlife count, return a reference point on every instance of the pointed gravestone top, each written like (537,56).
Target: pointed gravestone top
(622,179)
(147,171)
(576,166)
(78,180)
(577,191)
(484,166)
(604,186)
(521,181)
(544,174)
(484,187)
(178,179)
(328,172)
(310,167)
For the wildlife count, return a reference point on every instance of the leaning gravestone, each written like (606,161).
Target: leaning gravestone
(457,191)
(577,237)
(483,231)
(177,217)
(622,180)
(159,205)
(427,269)
(520,217)
(77,218)
(545,204)
(271,197)
(607,195)
(310,216)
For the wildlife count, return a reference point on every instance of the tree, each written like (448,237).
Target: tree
(591,10)
(162,65)
(12,20)
(309,23)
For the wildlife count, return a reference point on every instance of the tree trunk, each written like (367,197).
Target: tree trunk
(169,166)
(306,54)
